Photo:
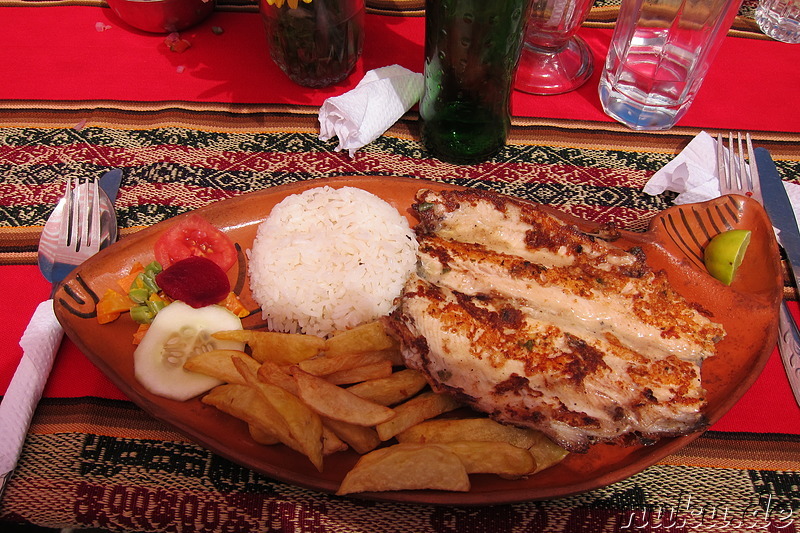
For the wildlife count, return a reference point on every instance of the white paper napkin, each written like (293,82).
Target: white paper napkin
(361,115)
(39,344)
(693,175)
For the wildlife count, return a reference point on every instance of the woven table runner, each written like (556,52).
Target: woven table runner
(175,160)
(97,462)
(121,470)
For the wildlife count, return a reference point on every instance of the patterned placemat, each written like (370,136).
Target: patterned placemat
(177,159)
(121,470)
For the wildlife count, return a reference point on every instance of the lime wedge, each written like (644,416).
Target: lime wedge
(725,253)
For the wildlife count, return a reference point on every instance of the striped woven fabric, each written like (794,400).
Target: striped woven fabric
(124,471)
(178,160)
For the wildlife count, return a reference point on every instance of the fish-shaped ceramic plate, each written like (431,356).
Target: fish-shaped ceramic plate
(674,243)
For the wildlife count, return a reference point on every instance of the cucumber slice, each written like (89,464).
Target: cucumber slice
(178,332)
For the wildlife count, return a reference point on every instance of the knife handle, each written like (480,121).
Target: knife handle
(789,348)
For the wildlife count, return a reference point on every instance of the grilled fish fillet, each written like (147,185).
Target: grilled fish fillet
(530,320)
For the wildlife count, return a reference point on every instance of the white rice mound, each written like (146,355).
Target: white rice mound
(330,259)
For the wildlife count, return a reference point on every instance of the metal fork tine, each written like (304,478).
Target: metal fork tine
(755,179)
(722,171)
(745,181)
(83,217)
(71,208)
(736,182)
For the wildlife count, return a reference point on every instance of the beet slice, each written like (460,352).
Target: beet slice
(197,281)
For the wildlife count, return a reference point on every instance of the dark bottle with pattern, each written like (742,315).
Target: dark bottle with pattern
(472,48)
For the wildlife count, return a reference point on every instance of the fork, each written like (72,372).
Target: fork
(737,177)
(80,224)
(74,231)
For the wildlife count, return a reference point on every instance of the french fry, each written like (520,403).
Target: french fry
(499,458)
(362,439)
(328,364)
(281,348)
(219,364)
(546,452)
(396,388)
(406,467)
(441,430)
(305,426)
(262,436)
(273,374)
(246,404)
(381,369)
(475,429)
(335,402)
(417,409)
(370,337)
(331,443)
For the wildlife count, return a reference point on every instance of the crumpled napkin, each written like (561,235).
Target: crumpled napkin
(361,115)
(39,343)
(693,175)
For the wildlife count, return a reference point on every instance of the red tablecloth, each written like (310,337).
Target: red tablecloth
(752,84)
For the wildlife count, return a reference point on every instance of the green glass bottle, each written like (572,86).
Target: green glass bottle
(472,48)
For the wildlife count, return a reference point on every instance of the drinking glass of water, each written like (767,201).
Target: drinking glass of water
(780,19)
(659,55)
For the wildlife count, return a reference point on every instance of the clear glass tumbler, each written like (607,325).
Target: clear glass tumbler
(316,43)
(554,60)
(659,55)
(779,19)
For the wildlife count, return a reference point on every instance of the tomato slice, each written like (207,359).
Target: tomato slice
(195,236)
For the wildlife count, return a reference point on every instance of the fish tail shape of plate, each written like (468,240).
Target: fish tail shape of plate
(688,228)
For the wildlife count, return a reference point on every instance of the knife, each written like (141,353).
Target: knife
(781,213)
(42,337)
(110,182)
